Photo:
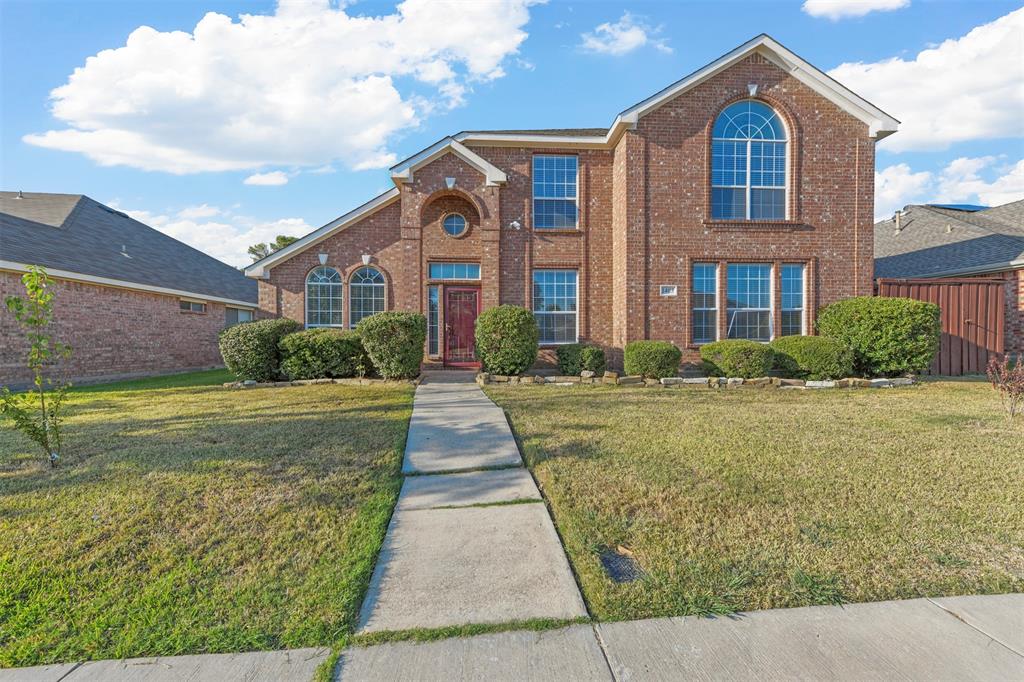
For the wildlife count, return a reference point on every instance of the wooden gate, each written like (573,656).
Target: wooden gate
(972,319)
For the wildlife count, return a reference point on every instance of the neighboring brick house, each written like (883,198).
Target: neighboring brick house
(130,300)
(733,203)
(943,242)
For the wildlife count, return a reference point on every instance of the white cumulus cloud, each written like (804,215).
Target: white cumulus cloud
(959,182)
(267,179)
(625,35)
(226,238)
(305,86)
(969,88)
(841,9)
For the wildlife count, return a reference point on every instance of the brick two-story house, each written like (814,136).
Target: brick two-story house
(732,204)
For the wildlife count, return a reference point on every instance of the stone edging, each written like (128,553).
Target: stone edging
(613,378)
(353,381)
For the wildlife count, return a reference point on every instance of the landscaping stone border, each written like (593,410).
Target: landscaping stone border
(614,378)
(350,381)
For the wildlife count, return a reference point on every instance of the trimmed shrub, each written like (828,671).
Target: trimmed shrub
(250,349)
(323,353)
(394,342)
(737,358)
(573,358)
(652,359)
(888,336)
(812,357)
(506,339)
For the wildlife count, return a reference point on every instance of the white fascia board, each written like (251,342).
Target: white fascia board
(260,268)
(879,123)
(122,284)
(403,172)
(541,141)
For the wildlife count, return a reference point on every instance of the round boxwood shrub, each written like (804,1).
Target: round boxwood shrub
(812,357)
(394,342)
(250,349)
(652,359)
(323,353)
(573,358)
(506,339)
(737,358)
(888,336)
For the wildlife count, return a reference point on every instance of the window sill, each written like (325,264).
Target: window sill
(557,230)
(788,225)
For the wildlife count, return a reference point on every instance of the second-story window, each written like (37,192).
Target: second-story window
(555,192)
(748,163)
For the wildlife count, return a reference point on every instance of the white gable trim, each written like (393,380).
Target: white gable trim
(880,124)
(403,172)
(539,141)
(261,268)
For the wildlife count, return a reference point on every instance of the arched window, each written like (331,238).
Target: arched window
(323,298)
(366,294)
(748,163)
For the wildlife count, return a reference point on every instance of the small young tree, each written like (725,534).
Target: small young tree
(1008,380)
(37,413)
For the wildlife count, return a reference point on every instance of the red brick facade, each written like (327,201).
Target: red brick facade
(113,332)
(1014,311)
(644,218)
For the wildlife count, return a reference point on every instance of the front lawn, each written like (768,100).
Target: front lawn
(751,499)
(192,519)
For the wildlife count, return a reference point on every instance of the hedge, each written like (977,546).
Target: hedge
(506,339)
(250,350)
(812,357)
(888,336)
(573,358)
(394,342)
(652,359)
(323,353)
(737,358)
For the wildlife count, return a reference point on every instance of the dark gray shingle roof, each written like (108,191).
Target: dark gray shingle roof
(72,232)
(935,240)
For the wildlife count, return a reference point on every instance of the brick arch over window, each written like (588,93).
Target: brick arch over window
(793,144)
(435,211)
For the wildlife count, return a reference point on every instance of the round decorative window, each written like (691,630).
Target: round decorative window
(454,225)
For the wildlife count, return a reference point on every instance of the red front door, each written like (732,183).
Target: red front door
(461,306)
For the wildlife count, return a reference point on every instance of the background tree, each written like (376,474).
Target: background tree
(262,250)
(37,413)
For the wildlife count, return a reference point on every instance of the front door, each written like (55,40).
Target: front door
(461,305)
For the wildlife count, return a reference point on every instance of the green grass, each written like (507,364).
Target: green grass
(739,500)
(188,518)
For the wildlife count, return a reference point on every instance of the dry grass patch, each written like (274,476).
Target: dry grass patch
(738,500)
(194,519)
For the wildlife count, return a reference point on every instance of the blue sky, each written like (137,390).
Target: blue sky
(231,131)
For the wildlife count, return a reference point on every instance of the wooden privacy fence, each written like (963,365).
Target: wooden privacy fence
(972,319)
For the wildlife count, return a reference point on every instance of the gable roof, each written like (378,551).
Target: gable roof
(403,170)
(936,241)
(75,237)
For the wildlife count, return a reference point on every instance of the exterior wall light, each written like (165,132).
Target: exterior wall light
(323,259)
(366,258)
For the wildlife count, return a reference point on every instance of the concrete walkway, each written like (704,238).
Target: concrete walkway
(958,638)
(474,544)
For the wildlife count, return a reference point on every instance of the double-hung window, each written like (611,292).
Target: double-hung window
(555,195)
(554,305)
(705,302)
(749,304)
(748,163)
(792,299)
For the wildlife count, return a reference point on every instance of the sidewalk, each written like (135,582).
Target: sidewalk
(474,544)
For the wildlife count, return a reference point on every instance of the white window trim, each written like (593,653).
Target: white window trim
(453,279)
(772,277)
(803,295)
(576,313)
(305,297)
(347,295)
(718,283)
(437,333)
(533,195)
(747,187)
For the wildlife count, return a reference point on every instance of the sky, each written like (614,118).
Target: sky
(225,124)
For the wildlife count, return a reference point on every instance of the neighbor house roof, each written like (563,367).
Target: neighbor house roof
(880,124)
(75,237)
(936,241)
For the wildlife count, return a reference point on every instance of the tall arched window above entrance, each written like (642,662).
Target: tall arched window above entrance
(323,298)
(366,294)
(749,163)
